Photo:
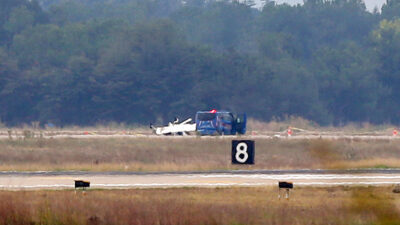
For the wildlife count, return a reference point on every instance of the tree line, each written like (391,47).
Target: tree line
(82,62)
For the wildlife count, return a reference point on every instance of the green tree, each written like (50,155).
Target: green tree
(146,70)
(20,19)
(386,39)
(221,25)
(16,15)
(349,85)
(391,10)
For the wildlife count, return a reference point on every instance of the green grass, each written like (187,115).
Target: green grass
(381,166)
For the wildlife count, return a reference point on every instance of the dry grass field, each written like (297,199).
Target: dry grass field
(340,205)
(192,154)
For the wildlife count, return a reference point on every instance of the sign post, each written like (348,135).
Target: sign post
(284,185)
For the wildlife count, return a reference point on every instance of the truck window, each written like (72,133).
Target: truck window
(226,117)
(205,116)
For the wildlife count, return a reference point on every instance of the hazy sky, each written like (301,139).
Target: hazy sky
(370,4)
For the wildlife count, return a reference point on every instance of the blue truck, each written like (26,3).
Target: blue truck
(216,122)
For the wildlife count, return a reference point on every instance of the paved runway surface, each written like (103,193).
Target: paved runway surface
(65,180)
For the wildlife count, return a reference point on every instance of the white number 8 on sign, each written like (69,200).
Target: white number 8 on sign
(241,152)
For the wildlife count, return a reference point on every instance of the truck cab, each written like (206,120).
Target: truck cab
(215,122)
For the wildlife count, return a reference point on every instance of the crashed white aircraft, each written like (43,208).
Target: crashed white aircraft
(176,128)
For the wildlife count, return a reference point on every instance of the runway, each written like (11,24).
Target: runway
(257,178)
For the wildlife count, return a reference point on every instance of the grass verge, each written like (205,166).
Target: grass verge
(192,154)
(339,205)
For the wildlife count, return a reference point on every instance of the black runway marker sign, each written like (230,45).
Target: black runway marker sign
(82,184)
(243,151)
(286,185)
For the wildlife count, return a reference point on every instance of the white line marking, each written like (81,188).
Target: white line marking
(296,176)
